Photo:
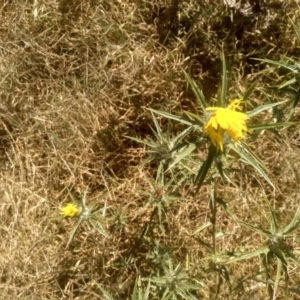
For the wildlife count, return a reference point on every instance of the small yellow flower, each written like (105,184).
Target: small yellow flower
(227,120)
(70,210)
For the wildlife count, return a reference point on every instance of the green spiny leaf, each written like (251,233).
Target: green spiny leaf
(198,93)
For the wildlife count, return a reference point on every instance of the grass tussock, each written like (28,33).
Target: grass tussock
(76,81)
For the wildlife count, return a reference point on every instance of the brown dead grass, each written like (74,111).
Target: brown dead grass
(76,79)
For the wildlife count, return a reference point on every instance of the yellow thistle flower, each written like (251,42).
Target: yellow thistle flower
(227,120)
(70,210)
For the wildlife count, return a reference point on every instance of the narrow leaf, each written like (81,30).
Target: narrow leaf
(262,108)
(141,141)
(226,259)
(183,119)
(204,168)
(198,93)
(269,126)
(249,91)
(158,130)
(204,226)
(182,135)
(182,155)
(297,31)
(222,95)
(248,160)
(197,118)
(274,221)
(278,275)
(294,222)
(289,82)
(279,64)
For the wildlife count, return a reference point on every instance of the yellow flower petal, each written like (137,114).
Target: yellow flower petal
(236,104)
(70,210)
(226,120)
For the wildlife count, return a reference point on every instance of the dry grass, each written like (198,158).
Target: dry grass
(76,78)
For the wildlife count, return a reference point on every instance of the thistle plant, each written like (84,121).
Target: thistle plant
(276,248)
(167,150)
(225,132)
(83,213)
(175,282)
(225,127)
